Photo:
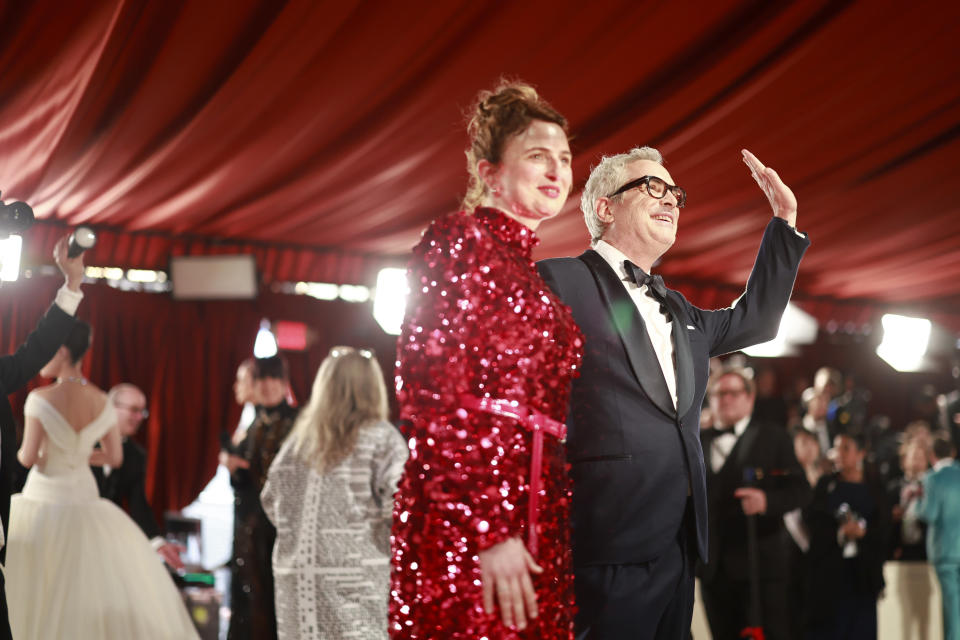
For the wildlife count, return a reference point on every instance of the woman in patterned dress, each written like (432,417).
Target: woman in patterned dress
(480,532)
(329,493)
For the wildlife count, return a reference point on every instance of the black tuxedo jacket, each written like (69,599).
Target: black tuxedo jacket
(126,486)
(633,455)
(763,457)
(15,372)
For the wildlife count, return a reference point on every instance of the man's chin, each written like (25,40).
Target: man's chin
(667,241)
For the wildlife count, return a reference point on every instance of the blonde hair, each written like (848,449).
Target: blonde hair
(497,116)
(348,394)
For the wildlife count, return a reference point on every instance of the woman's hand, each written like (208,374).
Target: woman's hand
(232,462)
(97,459)
(506,568)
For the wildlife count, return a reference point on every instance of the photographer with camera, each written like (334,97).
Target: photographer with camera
(17,369)
(849,524)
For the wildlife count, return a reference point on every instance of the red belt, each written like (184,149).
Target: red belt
(536,422)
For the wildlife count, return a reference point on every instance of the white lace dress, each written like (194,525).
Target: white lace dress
(331,558)
(77,566)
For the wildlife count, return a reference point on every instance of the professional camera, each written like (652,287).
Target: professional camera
(15,217)
(843,515)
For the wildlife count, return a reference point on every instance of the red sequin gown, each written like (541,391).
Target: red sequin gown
(480,322)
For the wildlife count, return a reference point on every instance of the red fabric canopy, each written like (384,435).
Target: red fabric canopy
(338,127)
(323,137)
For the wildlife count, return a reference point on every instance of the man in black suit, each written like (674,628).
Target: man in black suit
(126,485)
(639,509)
(752,472)
(16,371)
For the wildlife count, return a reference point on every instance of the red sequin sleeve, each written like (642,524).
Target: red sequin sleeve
(458,339)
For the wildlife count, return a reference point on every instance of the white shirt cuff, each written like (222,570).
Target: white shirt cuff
(68,300)
(157,542)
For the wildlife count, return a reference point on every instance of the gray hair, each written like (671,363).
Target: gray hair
(606,177)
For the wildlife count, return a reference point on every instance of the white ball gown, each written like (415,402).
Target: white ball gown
(77,565)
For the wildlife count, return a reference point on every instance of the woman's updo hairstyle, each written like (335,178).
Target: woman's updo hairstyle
(499,115)
(78,341)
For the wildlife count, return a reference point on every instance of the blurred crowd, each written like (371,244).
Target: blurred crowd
(853,491)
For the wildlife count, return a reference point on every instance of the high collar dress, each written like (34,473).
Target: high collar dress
(480,324)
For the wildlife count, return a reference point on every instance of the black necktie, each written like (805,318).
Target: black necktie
(655,287)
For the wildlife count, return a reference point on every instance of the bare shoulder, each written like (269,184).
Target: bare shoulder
(46,392)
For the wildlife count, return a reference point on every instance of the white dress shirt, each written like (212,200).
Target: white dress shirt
(723,444)
(68,300)
(657,324)
(942,463)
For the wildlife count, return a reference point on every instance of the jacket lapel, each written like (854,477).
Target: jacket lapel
(629,325)
(745,444)
(683,358)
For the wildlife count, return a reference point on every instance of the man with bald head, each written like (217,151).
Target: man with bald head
(126,485)
(639,510)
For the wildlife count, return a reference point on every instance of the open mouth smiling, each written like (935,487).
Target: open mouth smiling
(663,217)
(551,192)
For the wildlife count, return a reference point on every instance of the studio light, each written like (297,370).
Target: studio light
(265,345)
(796,327)
(390,300)
(905,341)
(10,248)
(354,293)
(318,290)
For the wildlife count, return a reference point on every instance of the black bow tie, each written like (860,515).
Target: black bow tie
(655,287)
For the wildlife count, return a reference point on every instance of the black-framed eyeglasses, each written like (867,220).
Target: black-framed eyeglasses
(656,187)
(143,413)
(729,393)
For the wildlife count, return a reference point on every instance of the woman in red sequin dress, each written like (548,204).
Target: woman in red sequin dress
(484,365)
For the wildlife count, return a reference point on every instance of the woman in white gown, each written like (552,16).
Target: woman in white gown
(77,565)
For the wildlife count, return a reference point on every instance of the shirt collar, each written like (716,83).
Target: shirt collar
(738,428)
(614,258)
(810,424)
(942,463)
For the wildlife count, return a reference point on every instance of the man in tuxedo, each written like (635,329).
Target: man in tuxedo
(639,510)
(126,485)
(752,472)
(16,371)
(940,508)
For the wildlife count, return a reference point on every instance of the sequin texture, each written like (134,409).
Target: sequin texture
(480,321)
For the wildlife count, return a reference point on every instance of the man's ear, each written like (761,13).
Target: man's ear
(602,208)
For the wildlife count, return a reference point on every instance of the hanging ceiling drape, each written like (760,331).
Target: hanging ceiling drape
(334,131)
